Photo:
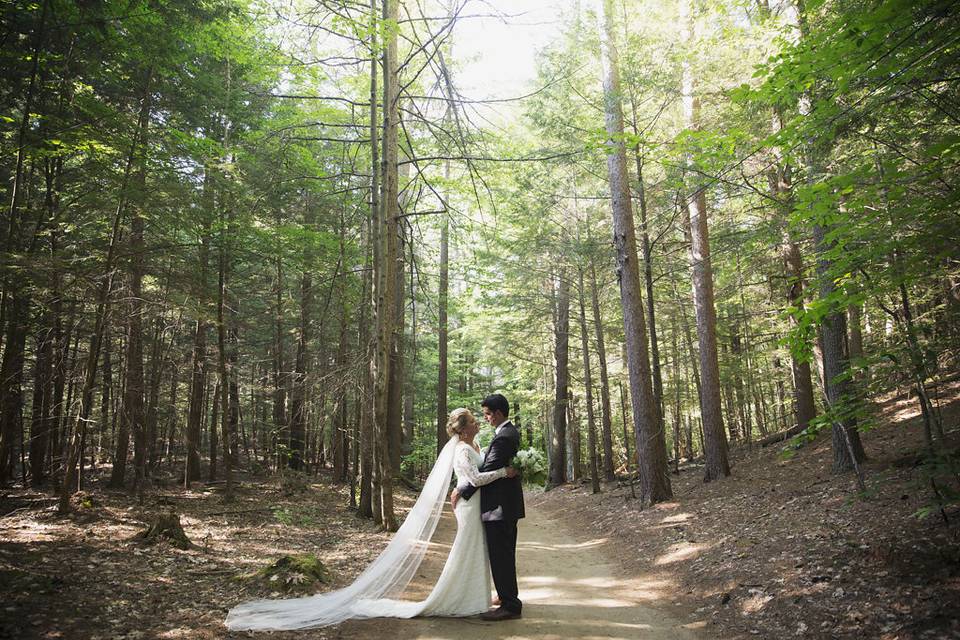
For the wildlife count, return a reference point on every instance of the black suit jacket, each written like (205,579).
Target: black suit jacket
(501,499)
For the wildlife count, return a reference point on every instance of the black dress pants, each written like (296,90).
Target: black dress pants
(502,549)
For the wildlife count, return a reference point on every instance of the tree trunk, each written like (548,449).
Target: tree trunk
(804,407)
(389,263)
(847,449)
(574,448)
(223,359)
(198,378)
(133,413)
(157,358)
(715,445)
(558,459)
(397,366)
(606,424)
(339,434)
(367,391)
(214,423)
(298,399)
(648,281)
(678,402)
(11,381)
(280,434)
(588,391)
(105,425)
(171,422)
(626,439)
(781,185)
(651,440)
(42,400)
(409,384)
(442,382)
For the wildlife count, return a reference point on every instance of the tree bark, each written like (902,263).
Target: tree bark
(847,448)
(223,360)
(298,398)
(606,419)
(558,459)
(409,384)
(11,380)
(442,339)
(574,450)
(339,434)
(157,359)
(804,406)
(367,392)
(647,250)
(588,391)
(42,400)
(387,277)
(280,426)
(198,377)
(133,415)
(397,365)
(781,185)
(715,445)
(214,425)
(651,440)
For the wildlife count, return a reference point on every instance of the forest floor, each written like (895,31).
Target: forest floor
(780,549)
(783,548)
(85,577)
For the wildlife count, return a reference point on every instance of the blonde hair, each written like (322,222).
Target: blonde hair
(458,420)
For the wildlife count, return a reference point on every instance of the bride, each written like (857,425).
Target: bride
(463,588)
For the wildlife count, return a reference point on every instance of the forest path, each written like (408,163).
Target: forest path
(569,588)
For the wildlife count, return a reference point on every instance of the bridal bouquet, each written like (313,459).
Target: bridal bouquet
(531,464)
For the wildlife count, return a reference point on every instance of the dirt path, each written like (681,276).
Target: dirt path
(569,590)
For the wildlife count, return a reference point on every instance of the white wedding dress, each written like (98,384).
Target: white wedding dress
(462,589)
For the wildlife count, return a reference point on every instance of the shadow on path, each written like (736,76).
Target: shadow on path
(569,590)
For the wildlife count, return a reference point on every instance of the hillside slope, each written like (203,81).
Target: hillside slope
(785,549)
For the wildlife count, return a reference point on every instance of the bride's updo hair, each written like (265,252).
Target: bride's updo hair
(458,420)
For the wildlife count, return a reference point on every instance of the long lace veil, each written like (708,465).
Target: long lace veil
(386,577)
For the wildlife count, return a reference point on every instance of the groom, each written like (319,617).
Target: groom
(501,505)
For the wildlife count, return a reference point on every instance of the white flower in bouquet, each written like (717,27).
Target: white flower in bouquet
(531,464)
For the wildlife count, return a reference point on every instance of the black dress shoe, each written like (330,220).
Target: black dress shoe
(499,614)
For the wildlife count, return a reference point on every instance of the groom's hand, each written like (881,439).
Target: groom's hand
(454,496)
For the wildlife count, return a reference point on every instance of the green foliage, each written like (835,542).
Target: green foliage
(423,453)
(296,517)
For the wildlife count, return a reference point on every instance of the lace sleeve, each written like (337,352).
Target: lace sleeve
(466,469)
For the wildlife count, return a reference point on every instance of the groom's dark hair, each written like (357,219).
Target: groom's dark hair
(497,402)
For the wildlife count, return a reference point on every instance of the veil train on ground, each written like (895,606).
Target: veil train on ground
(386,577)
